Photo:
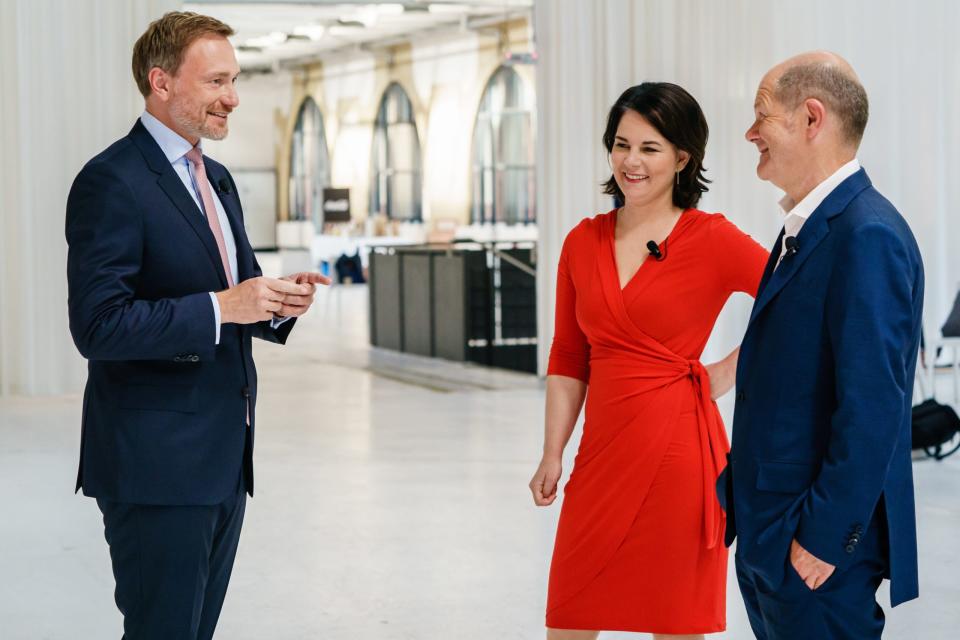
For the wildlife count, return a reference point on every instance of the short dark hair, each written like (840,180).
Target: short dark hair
(840,92)
(165,41)
(678,117)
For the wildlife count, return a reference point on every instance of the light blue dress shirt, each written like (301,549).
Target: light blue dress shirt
(175,148)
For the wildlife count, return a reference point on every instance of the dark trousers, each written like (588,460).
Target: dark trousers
(843,608)
(172,565)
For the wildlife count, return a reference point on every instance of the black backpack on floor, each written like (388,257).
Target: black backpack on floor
(934,426)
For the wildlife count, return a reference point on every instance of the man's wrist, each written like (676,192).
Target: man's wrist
(224,306)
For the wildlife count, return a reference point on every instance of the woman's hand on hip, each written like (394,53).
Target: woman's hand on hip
(721,380)
(545,480)
(723,374)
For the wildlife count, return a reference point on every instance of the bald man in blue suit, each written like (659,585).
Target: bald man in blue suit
(819,485)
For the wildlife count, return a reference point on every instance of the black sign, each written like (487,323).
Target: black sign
(336,205)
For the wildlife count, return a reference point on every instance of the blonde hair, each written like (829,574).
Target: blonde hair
(165,41)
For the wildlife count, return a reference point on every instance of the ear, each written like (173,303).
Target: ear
(815,117)
(682,159)
(160,82)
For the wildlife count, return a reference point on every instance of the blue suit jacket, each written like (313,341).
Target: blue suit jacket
(821,430)
(164,410)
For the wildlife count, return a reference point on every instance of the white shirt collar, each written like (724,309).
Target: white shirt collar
(805,208)
(174,147)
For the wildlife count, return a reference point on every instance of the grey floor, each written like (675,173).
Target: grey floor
(391,504)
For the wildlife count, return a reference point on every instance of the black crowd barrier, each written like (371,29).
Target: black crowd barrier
(466,302)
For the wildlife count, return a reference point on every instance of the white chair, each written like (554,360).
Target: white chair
(942,357)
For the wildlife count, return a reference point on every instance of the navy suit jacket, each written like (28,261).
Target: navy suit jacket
(821,429)
(164,410)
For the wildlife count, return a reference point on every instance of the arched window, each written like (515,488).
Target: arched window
(503,153)
(395,189)
(309,165)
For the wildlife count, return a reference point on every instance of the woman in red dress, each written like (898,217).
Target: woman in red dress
(639,544)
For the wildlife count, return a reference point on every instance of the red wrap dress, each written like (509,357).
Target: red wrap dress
(639,544)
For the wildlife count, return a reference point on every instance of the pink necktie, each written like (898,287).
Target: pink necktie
(195,156)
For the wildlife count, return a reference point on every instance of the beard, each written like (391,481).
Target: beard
(181,114)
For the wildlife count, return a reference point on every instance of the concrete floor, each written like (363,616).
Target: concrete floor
(391,504)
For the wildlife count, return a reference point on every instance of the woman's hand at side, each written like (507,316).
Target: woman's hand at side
(564,400)
(543,485)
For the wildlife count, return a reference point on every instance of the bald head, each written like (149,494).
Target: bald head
(826,77)
(823,58)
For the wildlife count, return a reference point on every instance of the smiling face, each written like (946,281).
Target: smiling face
(644,163)
(200,97)
(778,135)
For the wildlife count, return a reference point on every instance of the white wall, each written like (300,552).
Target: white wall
(907,58)
(345,93)
(257,125)
(450,76)
(66,92)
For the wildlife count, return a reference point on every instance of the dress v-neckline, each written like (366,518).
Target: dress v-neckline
(613,250)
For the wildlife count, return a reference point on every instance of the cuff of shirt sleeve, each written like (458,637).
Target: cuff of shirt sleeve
(276,321)
(216,315)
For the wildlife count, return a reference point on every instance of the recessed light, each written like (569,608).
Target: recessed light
(270,40)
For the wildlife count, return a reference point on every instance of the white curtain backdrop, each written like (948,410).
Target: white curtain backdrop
(66,92)
(906,55)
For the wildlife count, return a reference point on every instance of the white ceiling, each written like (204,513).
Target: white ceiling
(271,34)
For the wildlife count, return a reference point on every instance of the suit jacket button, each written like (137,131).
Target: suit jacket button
(740,396)
(194,358)
(245,392)
(178,358)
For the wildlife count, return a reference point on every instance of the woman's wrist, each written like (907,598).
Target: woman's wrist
(552,453)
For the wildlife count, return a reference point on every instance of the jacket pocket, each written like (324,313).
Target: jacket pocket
(785,477)
(179,398)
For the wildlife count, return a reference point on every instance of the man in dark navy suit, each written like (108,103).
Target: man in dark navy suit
(165,295)
(819,486)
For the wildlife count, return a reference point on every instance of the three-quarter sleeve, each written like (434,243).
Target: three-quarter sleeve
(740,258)
(570,351)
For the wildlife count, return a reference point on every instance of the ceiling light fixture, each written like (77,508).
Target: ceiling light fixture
(445,8)
(390,9)
(272,39)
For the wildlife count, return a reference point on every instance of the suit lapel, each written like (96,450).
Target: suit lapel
(771,265)
(812,233)
(171,184)
(814,230)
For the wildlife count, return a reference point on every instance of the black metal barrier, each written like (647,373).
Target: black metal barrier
(467,301)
